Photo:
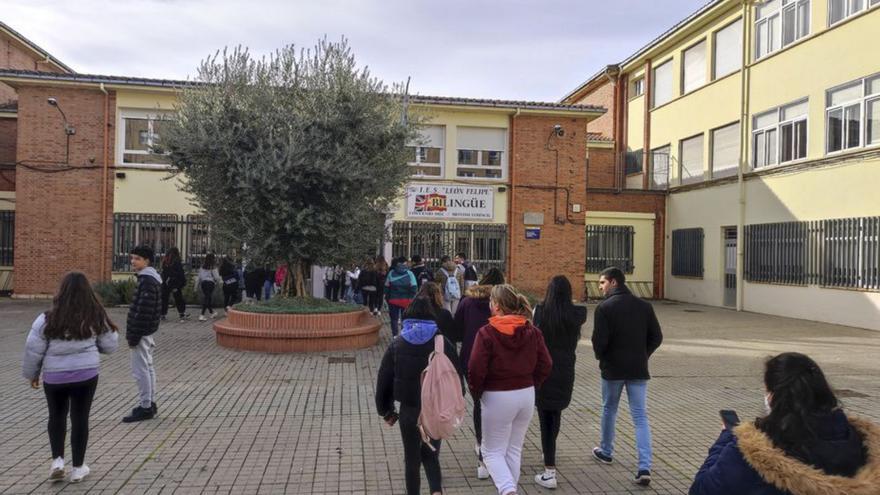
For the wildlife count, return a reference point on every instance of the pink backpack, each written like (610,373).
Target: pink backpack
(442,398)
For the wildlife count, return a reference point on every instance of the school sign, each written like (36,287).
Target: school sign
(449,202)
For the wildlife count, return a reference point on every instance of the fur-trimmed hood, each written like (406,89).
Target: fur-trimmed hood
(792,476)
(479,291)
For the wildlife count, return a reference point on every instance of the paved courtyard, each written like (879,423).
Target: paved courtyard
(238,422)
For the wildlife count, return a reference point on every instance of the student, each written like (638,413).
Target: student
(400,379)
(445,322)
(230,283)
(473,314)
(352,293)
(625,335)
(173,282)
(269,283)
(560,323)
(206,281)
(64,344)
(509,360)
(421,271)
(451,288)
(382,270)
(465,270)
(400,289)
(805,444)
(141,324)
(368,282)
(253,281)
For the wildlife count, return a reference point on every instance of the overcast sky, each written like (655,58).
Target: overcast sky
(511,49)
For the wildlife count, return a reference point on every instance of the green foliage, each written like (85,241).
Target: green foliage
(116,292)
(297,305)
(298,155)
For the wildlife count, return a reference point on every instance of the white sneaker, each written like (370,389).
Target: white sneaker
(213,314)
(202,318)
(482,472)
(78,473)
(546,479)
(57,473)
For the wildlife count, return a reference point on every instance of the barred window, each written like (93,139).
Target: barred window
(7,238)
(634,162)
(609,245)
(687,252)
(485,244)
(777,252)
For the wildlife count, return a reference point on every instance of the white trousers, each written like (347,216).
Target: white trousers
(506,417)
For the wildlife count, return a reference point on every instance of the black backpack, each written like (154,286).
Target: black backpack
(424,276)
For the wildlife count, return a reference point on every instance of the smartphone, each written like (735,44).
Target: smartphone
(729,418)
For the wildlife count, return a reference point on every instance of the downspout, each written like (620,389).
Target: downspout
(648,162)
(104,192)
(510,219)
(743,152)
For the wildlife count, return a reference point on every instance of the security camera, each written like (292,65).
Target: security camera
(558,130)
(52,101)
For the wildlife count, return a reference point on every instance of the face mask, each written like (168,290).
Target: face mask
(767,407)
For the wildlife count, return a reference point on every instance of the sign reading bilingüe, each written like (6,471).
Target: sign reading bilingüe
(449,201)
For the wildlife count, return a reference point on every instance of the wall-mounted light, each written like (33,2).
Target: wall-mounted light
(68,129)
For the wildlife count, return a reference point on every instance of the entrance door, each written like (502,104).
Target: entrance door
(730,266)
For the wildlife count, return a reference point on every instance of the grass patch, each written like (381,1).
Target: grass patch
(297,305)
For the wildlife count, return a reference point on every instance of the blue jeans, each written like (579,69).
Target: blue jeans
(395,312)
(637,395)
(267,289)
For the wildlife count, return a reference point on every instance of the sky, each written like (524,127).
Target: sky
(513,49)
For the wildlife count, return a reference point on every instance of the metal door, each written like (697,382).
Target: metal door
(730,266)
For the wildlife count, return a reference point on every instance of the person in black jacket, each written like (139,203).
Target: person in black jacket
(142,323)
(230,283)
(805,445)
(625,334)
(173,281)
(445,323)
(400,379)
(560,323)
(368,282)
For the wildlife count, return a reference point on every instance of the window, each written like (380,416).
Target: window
(662,84)
(725,150)
(7,238)
(779,23)
(141,139)
(660,167)
(638,87)
(633,162)
(853,115)
(427,153)
(727,56)
(687,252)
(694,67)
(839,10)
(777,252)
(482,153)
(780,135)
(609,245)
(691,160)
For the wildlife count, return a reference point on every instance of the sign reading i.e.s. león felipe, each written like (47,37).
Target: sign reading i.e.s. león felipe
(450,202)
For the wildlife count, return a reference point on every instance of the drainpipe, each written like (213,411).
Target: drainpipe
(743,151)
(104,191)
(512,170)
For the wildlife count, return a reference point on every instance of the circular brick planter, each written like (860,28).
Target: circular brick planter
(266,332)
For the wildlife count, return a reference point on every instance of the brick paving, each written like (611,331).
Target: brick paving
(240,422)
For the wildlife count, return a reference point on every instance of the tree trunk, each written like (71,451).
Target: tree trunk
(295,280)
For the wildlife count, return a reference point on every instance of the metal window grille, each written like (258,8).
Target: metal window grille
(842,252)
(610,245)
(660,169)
(7,238)
(190,234)
(687,252)
(485,245)
(633,160)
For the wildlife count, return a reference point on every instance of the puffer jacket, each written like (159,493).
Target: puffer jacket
(145,309)
(42,354)
(844,460)
(472,314)
(173,276)
(555,393)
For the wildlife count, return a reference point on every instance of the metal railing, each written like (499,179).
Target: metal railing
(609,245)
(485,245)
(7,238)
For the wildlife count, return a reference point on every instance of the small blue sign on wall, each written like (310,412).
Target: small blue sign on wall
(533,233)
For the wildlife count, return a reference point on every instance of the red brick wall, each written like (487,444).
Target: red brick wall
(604,97)
(15,56)
(600,168)
(7,153)
(58,215)
(561,248)
(638,202)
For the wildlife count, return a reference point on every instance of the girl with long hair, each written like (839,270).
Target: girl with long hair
(368,283)
(173,282)
(560,322)
(508,361)
(382,269)
(432,292)
(207,280)
(804,445)
(230,282)
(64,344)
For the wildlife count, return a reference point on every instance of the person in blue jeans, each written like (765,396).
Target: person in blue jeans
(400,289)
(625,334)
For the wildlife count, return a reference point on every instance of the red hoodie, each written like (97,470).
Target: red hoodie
(501,361)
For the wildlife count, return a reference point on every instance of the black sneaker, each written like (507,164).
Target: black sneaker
(154,408)
(602,456)
(163,317)
(139,414)
(643,478)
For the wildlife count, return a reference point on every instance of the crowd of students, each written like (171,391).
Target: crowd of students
(514,359)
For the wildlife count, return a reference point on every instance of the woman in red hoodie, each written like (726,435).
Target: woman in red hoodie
(508,361)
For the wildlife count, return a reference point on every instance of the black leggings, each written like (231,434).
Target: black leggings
(229,294)
(371,299)
(417,454)
(167,292)
(549,431)
(207,294)
(75,398)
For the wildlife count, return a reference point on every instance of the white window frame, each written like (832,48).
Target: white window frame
(465,166)
(638,87)
(778,39)
(862,101)
(418,161)
(850,10)
(713,173)
(684,73)
(654,70)
(777,140)
(715,74)
(121,151)
(702,175)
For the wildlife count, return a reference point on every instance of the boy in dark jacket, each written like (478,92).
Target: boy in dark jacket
(141,324)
